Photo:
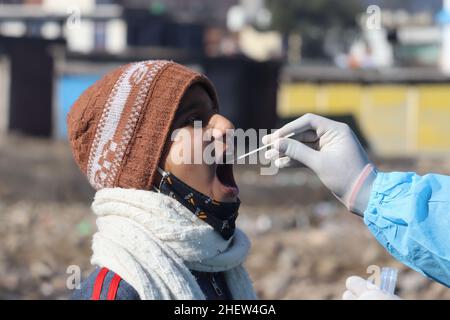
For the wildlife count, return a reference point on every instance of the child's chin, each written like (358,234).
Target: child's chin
(229,199)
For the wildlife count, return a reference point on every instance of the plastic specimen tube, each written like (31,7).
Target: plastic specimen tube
(388,279)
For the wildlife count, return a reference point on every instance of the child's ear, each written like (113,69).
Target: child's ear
(164,154)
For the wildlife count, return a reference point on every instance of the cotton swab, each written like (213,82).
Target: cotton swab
(245,155)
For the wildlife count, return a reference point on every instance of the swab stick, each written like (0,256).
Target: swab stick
(263,147)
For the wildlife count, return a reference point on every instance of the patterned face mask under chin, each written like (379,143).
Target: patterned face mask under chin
(219,215)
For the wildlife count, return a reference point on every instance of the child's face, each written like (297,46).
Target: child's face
(214,180)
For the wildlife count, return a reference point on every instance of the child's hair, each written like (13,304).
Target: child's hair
(118,127)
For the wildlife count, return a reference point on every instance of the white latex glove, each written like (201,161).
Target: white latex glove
(332,151)
(360,289)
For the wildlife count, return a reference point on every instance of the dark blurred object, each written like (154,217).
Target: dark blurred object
(205,11)
(392,36)
(247,90)
(147,29)
(313,20)
(31,85)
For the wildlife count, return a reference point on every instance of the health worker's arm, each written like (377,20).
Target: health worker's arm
(409,215)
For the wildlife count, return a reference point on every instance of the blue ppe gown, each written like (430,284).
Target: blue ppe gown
(409,215)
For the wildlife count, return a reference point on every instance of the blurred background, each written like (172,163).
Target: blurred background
(381,66)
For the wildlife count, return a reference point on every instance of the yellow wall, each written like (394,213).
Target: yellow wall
(397,119)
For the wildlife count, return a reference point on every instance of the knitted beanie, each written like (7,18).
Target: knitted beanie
(118,127)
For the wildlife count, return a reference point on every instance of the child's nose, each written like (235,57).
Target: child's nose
(222,131)
(220,123)
(222,128)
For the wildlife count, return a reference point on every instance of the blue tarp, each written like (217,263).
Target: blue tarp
(443,17)
(70,88)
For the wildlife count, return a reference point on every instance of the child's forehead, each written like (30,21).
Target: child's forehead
(196,96)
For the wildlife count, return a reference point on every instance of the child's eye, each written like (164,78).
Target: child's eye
(190,121)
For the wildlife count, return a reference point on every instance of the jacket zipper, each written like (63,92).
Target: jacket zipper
(215,286)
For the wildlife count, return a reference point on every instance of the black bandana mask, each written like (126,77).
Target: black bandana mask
(219,215)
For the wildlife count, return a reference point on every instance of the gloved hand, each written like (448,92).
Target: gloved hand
(332,151)
(360,289)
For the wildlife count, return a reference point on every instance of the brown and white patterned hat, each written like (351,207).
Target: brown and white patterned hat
(118,127)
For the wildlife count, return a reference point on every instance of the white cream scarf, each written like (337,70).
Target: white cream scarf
(152,241)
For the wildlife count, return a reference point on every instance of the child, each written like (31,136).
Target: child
(166,230)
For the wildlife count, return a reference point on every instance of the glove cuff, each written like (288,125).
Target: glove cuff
(360,193)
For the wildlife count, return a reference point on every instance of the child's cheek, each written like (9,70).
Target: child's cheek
(181,150)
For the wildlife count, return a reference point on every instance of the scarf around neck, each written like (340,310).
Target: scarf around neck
(152,242)
(219,215)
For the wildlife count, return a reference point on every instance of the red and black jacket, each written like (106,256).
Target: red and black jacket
(104,284)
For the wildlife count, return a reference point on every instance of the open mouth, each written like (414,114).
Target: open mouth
(224,173)
(225,176)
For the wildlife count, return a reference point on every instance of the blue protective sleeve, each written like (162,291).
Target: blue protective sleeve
(410,216)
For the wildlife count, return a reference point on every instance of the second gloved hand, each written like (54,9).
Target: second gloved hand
(332,151)
(360,289)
